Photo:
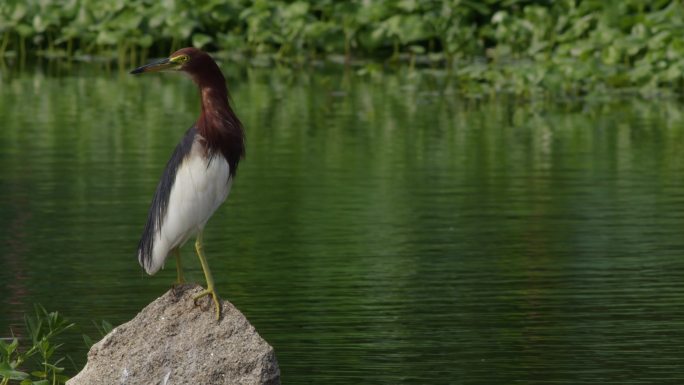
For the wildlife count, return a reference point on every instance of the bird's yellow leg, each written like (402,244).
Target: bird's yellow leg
(207,274)
(179,268)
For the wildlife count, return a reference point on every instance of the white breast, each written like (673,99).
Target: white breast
(200,187)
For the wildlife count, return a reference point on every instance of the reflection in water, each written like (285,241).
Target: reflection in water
(380,231)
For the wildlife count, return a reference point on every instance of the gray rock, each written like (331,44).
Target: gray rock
(172,342)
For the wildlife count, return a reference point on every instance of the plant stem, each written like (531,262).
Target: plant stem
(347,48)
(22,51)
(5,41)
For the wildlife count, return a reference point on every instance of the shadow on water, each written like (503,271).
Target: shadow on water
(382,229)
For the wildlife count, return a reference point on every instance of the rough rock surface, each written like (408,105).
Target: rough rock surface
(172,341)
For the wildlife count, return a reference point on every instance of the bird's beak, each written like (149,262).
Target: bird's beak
(156,66)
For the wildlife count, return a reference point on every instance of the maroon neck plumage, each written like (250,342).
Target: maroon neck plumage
(218,124)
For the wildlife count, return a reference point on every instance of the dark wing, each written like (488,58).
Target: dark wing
(160,202)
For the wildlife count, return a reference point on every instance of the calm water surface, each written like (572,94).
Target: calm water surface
(381,230)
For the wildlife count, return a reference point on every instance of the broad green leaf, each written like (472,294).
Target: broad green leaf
(88,341)
(39,374)
(199,40)
(24,30)
(7,371)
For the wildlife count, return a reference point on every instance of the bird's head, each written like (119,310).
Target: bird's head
(190,60)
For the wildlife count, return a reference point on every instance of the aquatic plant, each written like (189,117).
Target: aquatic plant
(103,328)
(517,46)
(41,331)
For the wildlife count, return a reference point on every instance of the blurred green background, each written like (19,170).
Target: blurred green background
(491,46)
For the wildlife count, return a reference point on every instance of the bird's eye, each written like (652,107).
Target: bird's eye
(181,59)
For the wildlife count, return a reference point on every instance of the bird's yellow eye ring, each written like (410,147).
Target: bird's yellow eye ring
(180,59)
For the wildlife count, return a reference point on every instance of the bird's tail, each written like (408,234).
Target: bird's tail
(146,248)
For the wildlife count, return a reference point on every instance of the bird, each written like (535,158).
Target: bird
(199,175)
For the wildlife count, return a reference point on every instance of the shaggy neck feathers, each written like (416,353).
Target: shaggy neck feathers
(218,124)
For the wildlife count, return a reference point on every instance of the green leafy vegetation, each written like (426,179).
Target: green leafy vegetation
(103,328)
(39,357)
(37,364)
(490,46)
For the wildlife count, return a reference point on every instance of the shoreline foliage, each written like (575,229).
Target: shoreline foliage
(32,359)
(491,46)
(41,330)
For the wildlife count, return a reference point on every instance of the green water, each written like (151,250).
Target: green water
(381,230)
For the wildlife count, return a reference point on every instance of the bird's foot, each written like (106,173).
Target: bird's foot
(214,296)
(180,280)
(177,287)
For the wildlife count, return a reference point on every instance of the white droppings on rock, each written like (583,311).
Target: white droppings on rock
(166,377)
(124,376)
